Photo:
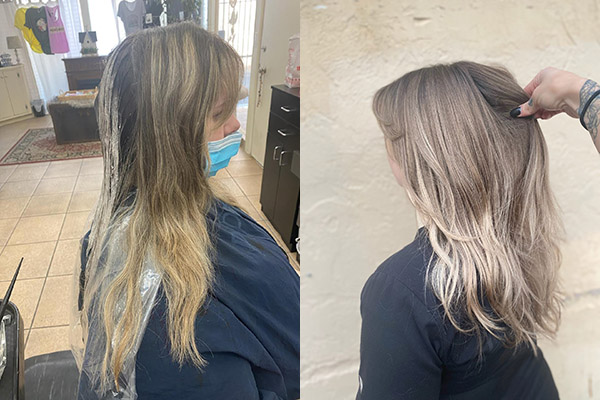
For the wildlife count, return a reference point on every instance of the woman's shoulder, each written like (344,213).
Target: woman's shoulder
(245,245)
(251,269)
(406,271)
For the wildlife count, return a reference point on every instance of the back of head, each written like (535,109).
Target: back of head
(479,179)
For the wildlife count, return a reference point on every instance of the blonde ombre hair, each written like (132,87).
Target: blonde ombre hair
(154,107)
(479,180)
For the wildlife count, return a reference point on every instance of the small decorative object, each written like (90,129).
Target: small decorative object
(88,43)
(14,43)
(5,60)
(292,70)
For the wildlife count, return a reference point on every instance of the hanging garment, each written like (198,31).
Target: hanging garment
(35,19)
(132,15)
(155,8)
(56,31)
(27,32)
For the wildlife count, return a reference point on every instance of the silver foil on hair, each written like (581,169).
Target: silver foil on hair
(107,253)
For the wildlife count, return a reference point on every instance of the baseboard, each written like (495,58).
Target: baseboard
(16,119)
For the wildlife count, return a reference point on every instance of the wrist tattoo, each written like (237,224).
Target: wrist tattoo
(591,117)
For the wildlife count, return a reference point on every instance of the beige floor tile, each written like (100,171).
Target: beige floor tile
(255,200)
(92,166)
(247,206)
(25,296)
(54,304)
(222,174)
(241,155)
(18,189)
(56,185)
(36,260)
(293,261)
(66,257)
(48,204)
(84,201)
(6,171)
(43,228)
(6,228)
(47,340)
(76,224)
(230,185)
(28,172)
(249,184)
(12,208)
(244,168)
(86,183)
(60,169)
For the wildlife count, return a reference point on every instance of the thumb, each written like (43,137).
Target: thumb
(524,110)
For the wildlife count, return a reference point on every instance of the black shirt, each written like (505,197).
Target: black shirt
(35,19)
(409,350)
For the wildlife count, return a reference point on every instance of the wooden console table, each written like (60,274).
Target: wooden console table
(84,72)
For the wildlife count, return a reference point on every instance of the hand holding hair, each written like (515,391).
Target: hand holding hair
(553,91)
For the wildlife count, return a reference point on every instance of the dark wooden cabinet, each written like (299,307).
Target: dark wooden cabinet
(84,72)
(280,190)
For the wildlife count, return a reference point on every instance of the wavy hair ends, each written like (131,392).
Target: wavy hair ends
(479,180)
(156,98)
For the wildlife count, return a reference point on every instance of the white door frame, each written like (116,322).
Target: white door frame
(213,16)
(253,89)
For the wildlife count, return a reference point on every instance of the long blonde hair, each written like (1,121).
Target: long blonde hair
(479,179)
(155,99)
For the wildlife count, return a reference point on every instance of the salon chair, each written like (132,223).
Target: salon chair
(47,376)
(51,376)
(12,380)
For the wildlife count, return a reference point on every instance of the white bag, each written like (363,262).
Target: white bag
(292,71)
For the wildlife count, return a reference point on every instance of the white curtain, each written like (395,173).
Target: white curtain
(108,27)
(49,70)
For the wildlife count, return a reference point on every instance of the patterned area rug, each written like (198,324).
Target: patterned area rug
(38,145)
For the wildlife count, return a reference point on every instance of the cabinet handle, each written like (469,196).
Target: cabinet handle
(285,133)
(288,109)
(281,163)
(275,158)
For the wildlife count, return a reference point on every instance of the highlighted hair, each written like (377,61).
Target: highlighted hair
(479,179)
(154,104)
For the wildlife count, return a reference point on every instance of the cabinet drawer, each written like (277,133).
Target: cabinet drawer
(286,106)
(85,64)
(288,134)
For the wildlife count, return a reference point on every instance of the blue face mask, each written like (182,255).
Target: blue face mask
(221,151)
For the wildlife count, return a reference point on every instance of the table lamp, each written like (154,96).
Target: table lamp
(14,42)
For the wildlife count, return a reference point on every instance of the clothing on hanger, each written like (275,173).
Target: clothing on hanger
(155,8)
(56,30)
(35,19)
(27,32)
(132,15)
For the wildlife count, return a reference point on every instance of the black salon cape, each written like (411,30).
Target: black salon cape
(409,350)
(249,331)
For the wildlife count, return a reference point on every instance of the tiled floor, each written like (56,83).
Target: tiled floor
(44,211)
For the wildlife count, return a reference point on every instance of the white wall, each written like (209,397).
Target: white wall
(353,213)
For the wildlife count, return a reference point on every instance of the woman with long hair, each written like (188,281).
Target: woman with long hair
(456,313)
(182,294)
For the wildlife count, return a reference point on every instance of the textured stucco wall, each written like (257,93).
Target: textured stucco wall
(353,213)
